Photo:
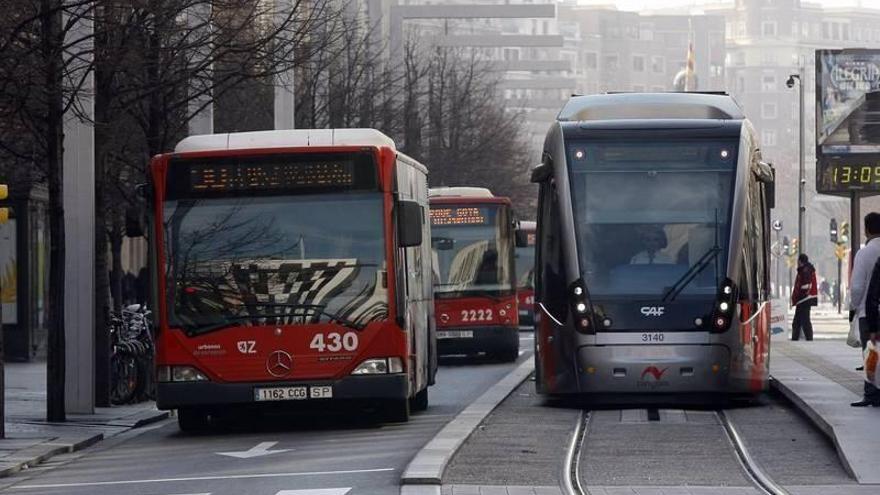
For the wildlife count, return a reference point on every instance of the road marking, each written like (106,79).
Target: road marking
(199,478)
(318,491)
(258,450)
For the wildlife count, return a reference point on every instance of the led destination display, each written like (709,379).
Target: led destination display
(272,174)
(459,215)
(233,176)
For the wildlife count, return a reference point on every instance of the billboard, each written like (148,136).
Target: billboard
(848,120)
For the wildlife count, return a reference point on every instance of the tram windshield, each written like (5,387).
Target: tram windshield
(282,259)
(472,248)
(650,214)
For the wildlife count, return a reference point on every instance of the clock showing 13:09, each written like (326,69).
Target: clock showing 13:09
(852,176)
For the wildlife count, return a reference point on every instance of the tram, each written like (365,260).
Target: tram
(525,272)
(292,270)
(652,271)
(473,239)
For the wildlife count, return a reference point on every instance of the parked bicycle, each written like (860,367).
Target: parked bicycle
(131,361)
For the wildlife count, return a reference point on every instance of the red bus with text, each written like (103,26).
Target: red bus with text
(472,237)
(289,272)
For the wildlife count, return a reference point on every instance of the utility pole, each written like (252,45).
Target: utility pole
(802,139)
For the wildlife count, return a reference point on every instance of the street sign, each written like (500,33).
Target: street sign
(777,225)
(259,450)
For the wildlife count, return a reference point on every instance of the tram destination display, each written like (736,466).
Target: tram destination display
(270,175)
(848,121)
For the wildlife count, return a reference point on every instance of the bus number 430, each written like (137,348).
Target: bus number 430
(334,342)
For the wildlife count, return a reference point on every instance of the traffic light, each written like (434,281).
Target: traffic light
(786,246)
(832,230)
(844,232)
(794,247)
(4,212)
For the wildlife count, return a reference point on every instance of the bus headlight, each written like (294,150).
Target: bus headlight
(179,374)
(379,366)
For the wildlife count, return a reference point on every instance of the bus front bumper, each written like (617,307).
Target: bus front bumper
(470,340)
(173,395)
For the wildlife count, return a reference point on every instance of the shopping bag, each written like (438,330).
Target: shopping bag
(872,358)
(853,339)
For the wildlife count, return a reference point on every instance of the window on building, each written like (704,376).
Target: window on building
(590,60)
(646,32)
(657,63)
(638,63)
(768,28)
(611,62)
(768,110)
(768,82)
(511,54)
(835,31)
(844,32)
(768,137)
(826,30)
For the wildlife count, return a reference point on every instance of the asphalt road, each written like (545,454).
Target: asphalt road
(314,454)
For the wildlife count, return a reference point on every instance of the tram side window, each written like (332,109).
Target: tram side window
(551,278)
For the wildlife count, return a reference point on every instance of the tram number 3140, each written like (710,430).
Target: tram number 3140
(652,337)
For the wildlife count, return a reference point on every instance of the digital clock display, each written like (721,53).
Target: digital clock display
(849,175)
(459,215)
(271,174)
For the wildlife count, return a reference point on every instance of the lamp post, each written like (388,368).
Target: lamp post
(780,248)
(799,77)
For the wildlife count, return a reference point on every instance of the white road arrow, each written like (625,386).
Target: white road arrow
(319,491)
(258,450)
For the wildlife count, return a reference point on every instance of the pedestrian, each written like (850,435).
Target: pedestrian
(863,267)
(804,295)
(871,396)
(825,290)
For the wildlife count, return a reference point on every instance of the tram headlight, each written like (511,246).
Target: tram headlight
(724,306)
(581,307)
(578,290)
(720,323)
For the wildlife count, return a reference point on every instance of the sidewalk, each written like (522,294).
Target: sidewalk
(30,439)
(819,377)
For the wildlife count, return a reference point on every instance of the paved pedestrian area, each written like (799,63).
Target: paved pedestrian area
(30,439)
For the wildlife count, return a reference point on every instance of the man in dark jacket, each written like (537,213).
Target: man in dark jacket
(804,295)
(872,315)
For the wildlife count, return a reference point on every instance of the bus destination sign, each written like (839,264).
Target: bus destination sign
(459,215)
(267,176)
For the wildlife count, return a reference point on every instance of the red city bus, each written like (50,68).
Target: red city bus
(289,271)
(472,236)
(525,271)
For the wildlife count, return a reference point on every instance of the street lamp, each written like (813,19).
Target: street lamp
(799,77)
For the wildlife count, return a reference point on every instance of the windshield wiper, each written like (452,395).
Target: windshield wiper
(688,276)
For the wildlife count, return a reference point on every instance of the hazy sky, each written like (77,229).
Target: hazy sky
(657,4)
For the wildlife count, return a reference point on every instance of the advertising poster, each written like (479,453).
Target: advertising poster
(7,272)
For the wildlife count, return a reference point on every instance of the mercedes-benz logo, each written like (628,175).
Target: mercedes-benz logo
(279,364)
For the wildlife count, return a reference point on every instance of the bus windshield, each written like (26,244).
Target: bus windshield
(280,259)
(525,264)
(472,248)
(649,214)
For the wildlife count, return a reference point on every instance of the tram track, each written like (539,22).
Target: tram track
(572,483)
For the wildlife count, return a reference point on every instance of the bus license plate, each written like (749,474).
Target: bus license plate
(293,393)
(455,334)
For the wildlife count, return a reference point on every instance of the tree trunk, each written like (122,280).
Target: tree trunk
(116,234)
(51,40)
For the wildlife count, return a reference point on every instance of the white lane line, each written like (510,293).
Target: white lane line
(318,491)
(199,478)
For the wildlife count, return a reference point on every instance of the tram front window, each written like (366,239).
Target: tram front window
(647,213)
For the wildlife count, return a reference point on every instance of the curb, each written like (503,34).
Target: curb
(427,467)
(31,456)
(37,454)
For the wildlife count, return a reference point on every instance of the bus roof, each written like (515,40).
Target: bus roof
(460,192)
(649,106)
(284,139)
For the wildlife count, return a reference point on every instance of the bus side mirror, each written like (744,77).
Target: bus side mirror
(410,216)
(767,175)
(542,171)
(522,239)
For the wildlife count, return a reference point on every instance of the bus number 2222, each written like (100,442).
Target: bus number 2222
(334,342)
(476,315)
